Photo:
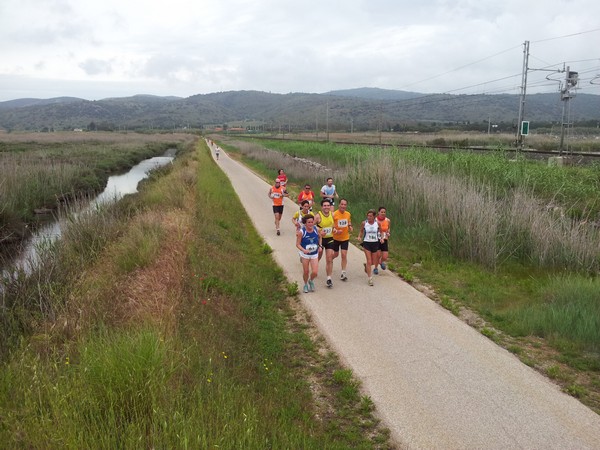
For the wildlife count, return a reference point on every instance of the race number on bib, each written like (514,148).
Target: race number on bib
(371,236)
(342,223)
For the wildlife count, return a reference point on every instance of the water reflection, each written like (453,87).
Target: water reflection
(116,187)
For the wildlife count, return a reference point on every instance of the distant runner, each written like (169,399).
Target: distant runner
(384,228)
(277,193)
(328,191)
(282,177)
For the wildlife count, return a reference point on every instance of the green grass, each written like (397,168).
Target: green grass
(570,310)
(224,365)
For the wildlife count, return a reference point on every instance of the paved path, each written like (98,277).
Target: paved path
(435,381)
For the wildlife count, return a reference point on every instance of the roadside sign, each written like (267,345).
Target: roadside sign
(525,128)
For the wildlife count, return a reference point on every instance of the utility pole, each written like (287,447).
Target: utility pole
(327,120)
(523,92)
(566,96)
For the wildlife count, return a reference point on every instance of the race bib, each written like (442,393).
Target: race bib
(342,223)
(276,195)
(327,230)
(371,237)
(312,247)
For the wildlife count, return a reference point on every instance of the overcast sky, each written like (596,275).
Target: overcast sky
(96,49)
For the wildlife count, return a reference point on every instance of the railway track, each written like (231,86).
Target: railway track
(578,157)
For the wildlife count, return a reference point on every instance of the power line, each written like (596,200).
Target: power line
(567,35)
(461,67)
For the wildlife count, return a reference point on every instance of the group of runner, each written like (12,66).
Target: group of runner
(327,232)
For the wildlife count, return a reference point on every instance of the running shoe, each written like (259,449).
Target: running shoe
(383,266)
(365,266)
(329,283)
(376,271)
(306,288)
(311,285)
(343,276)
(278,233)
(371,281)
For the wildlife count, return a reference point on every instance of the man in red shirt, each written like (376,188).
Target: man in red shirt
(307,194)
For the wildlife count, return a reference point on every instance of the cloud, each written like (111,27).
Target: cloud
(185,47)
(96,66)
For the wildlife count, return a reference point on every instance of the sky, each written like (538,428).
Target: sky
(117,48)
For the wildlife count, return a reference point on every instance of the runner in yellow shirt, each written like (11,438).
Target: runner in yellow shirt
(324,221)
(298,215)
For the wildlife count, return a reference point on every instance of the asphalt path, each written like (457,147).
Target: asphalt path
(436,382)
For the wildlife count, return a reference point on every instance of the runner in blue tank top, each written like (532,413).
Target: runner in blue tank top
(308,241)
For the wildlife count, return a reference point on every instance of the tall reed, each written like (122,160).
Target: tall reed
(480,209)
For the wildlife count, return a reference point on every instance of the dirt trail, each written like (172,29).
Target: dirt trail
(436,382)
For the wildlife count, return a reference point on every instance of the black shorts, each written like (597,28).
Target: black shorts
(384,246)
(340,244)
(372,247)
(278,209)
(328,243)
(330,200)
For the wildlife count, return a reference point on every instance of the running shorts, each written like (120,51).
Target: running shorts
(340,244)
(372,247)
(328,243)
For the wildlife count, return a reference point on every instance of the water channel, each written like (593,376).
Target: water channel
(116,187)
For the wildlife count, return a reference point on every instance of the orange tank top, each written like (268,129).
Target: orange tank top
(277,195)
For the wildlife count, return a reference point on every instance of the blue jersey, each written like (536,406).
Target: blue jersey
(310,241)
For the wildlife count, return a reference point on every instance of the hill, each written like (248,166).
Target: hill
(363,108)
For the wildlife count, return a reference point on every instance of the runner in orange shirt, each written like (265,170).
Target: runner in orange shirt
(277,193)
(342,227)
(384,227)
(307,194)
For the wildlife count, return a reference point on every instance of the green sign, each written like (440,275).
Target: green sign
(525,128)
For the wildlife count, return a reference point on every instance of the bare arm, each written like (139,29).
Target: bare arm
(298,240)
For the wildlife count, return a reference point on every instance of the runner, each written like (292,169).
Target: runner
(277,193)
(307,194)
(282,177)
(298,215)
(384,228)
(308,241)
(370,239)
(328,191)
(324,221)
(342,227)
(217,151)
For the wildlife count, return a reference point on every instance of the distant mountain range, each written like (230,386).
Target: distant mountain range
(362,108)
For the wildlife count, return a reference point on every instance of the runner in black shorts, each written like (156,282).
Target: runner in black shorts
(370,239)
(324,222)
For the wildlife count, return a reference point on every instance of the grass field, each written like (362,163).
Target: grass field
(136,333)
